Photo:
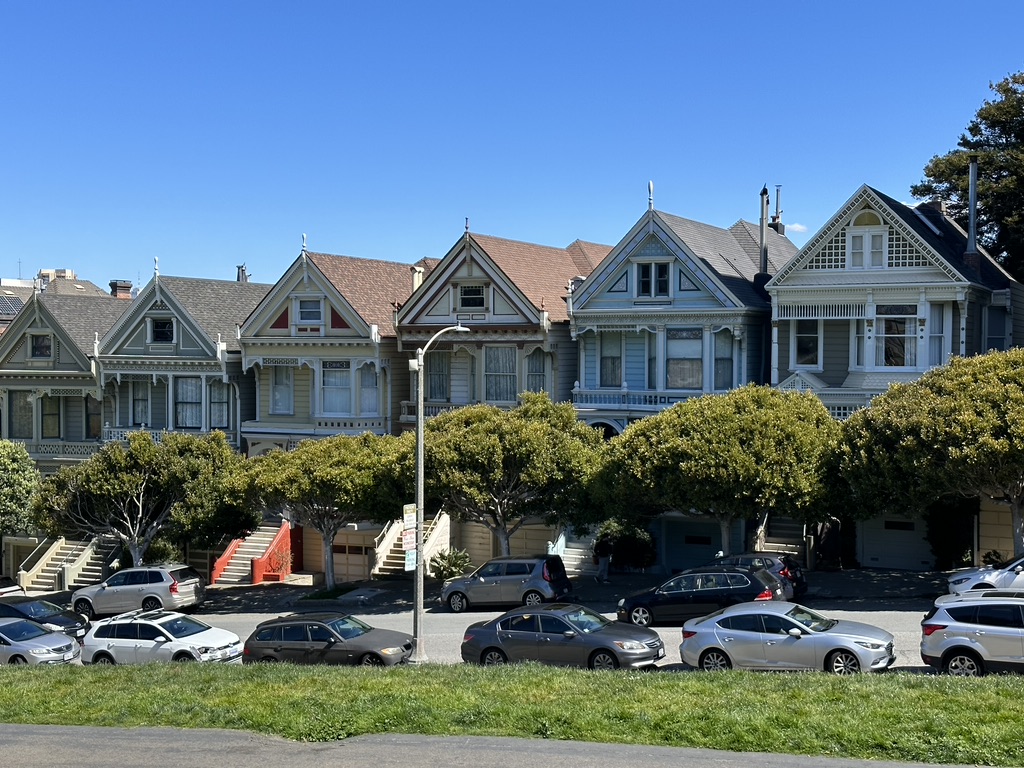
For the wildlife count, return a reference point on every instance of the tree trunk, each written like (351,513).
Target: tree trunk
(328,544)
(136,552)
(725,523)
(761,534)
(1017,519)
(504,540)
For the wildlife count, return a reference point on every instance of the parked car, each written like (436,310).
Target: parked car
(517,580)
(25,642)
(1005,575)
(785,567)
(784,636)
(974,633)
(9,586)
(171,586)
(50,615)
(139,637)
(326,638)
(698,592)
(562,634)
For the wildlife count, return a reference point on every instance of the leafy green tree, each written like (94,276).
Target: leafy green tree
(958,430)
(501,468)
(996,135)
(138,490)
(19,482)
(327,484)
(740,455)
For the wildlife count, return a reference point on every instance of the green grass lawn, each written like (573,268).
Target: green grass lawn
(893,716)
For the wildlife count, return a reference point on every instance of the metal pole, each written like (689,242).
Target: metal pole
(419,652)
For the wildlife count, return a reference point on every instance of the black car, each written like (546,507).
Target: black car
(782,565)
(45,613)
(326,638)
(698,592)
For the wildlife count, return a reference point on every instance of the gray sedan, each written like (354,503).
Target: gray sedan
(562,634)
(25,642)
(784,636)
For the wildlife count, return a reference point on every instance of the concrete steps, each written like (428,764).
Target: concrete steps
(239,568)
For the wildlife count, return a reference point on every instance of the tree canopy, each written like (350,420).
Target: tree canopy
(137,490)
(19,481)
(501,468)
(996,135)
(327,484)
(739,455)
(958,430)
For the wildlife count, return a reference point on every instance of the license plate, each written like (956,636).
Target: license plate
(661,652)
(69,656)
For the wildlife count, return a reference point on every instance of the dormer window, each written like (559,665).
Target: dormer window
(309,316)
(42,346)
(161,331)
(471,297)
(866,242)
(652,280)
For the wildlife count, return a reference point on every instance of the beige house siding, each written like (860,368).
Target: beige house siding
(995,529)
(353,554)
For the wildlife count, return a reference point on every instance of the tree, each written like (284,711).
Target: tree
(996,135)
(958,430)
(19,482)
(501,468)
(137,490)
(740,455)
(327,484)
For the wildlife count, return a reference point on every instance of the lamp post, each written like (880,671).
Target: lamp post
(419,654)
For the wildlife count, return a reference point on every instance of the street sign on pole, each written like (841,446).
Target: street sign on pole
(409,540)
(410,559)
(409,516)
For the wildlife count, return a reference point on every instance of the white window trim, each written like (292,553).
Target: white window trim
(653,295)
(817,367)
(486,289)
(149,330)
(622,360)
(352,408)
(289,408)
(871,337)
(148,421)
(866,233)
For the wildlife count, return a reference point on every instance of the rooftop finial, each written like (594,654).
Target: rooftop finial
(156,266)
(467,224)
(650,195)
(303,241)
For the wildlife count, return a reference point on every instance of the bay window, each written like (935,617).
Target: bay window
(337,386)
(895,335)
(500,374)
(684,358)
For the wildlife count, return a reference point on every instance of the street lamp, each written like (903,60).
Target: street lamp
(419,654)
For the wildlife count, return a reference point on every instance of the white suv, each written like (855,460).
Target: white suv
(149,587)
(974,633)
(140,637)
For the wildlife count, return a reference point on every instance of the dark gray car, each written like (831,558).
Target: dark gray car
(561,634)
(326,638)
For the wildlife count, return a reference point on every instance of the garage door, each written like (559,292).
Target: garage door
(894,542)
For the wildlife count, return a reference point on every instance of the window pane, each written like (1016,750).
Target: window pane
(163,331)
(41,346)
(50,409)
(309,310)
(684,363)
(723,360)
(500,374)
(281,390)
(661,281)
(337,387)
(535,371)
(471,297)
(611,357)
(188,403)
(438,374)
(806,341)
(140,403)
(643,281)
(219,400)
(368,402)
(93,418)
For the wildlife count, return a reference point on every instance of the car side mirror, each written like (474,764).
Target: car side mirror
(1018,569)
(794,632)
(568,634)
(160,639)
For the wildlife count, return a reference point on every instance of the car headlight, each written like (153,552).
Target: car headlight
(41,652)
(961,580)
(869,645)
(53,627)
(391,651)
(631,645)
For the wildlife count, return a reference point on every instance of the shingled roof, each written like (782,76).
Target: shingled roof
(542,272)
(82,317)
(217,305)
(371,286)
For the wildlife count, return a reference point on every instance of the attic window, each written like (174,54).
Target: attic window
(42,346)
(471,297)
(162,331)
(652,279)
(866,241)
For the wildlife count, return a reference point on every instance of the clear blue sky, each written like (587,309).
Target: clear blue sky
(211,134)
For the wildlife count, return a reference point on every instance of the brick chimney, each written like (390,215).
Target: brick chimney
(121,289)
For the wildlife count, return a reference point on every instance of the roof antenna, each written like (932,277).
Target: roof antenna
(650,195)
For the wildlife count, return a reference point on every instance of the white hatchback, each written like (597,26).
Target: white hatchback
(140,637)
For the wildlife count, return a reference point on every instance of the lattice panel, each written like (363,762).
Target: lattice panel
(902,252)
(653,248)
(832,254)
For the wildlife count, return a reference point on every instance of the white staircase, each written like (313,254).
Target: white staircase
(239,568)
(579,559)
(72,564)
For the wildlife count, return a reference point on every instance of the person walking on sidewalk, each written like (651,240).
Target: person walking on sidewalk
(603,553)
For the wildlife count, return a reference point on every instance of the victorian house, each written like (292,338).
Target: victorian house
(881,293)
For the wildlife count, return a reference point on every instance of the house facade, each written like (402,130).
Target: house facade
(672,312)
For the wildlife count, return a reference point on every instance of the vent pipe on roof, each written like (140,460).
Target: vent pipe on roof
(417,277)
(763,266)
(242,275)
(971,254)
(776,222)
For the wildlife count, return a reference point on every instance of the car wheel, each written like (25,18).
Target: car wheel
(533,599)
(714,660)
(184,657)
(640,616)
(18,660)
(102,658)
(842,663)
(603,660)
(151,604)
(268,660)
(962,664)
(492,657)
(84,607)
(371,660)
(457,602)
(982,586)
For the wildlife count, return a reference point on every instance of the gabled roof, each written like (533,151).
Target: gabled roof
(217,306)
(83,317)
(371,286)
(542,272)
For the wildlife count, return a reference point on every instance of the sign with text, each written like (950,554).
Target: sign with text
(409,516)
(409,540)
(410,560)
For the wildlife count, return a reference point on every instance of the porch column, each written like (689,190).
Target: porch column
(204,420)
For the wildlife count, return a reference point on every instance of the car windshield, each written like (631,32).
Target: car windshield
(349,627)
(183,626)
(40,609)
(1013,562)
(585,620)
(20,630)
(810,619)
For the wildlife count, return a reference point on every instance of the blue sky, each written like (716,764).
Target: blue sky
(211,134)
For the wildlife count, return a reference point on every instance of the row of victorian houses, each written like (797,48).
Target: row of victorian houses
(677,308)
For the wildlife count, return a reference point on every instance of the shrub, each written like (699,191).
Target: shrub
(451,563)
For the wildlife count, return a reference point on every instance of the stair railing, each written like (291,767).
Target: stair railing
(31,568)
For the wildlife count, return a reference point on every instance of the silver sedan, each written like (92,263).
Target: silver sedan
(25,642)
(784,636)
